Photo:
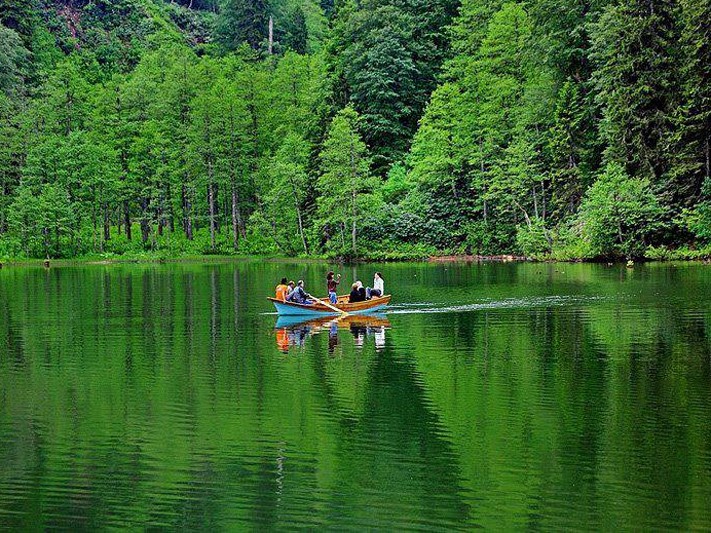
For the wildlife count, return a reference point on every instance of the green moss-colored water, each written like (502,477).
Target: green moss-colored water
(509,396)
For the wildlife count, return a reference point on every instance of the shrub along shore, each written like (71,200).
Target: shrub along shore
(653,254)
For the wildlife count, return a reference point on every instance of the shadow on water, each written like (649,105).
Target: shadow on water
(390,443)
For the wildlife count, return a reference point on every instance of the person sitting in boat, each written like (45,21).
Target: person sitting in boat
(290,290)
(361,291)
(357,293)
(299,295)
(282,290)
(378,287)
(332,286)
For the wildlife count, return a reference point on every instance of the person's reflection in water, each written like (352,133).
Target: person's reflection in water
(332,337)
(379,335)
(282,340)
(359,333)
(362,329)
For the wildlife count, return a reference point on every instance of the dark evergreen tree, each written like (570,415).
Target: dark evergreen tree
(694,138)
(296,34)
(242,21)
(634,47)
(386,58)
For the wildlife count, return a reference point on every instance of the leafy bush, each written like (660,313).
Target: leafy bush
(533,240)
(698,220)
(487,238)
(619,214)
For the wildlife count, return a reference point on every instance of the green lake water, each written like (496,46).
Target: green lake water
(508,396)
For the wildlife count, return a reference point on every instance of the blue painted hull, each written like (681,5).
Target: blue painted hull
(302,310)
(292,321)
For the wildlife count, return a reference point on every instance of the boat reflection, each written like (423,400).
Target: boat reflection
(294,330)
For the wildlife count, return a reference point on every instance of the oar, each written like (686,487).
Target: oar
(328,304)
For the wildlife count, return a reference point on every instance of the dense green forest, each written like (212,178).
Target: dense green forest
(355,128)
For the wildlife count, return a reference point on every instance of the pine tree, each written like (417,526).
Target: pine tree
(387,56)
(634,53)
(694,146)
(297,34)
(242,21)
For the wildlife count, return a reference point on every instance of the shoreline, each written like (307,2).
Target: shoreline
(214,259)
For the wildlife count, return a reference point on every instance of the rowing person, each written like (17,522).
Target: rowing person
(298,295)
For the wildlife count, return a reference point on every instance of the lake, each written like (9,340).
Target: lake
(508,396)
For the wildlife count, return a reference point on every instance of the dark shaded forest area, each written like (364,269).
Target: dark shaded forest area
(384,129)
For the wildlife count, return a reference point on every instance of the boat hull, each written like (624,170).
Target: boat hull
(314,310)
(362,320)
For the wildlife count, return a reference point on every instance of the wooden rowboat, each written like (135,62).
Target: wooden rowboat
(318,309)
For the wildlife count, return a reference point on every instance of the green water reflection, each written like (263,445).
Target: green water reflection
(505,396)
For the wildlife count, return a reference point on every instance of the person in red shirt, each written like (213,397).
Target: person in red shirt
(332,286)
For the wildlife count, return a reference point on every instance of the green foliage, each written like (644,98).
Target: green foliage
(635,75)
(619,214)
(163,127)
(43,222)
(345,183)
(242,21)
(386,56)
(698,220)
(296,32)
(13,62)
(284,205)
(533,240)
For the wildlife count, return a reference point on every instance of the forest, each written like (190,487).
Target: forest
(350,129)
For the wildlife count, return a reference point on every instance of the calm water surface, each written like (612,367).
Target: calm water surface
(507,396)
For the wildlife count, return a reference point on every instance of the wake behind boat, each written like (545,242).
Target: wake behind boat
(342,304)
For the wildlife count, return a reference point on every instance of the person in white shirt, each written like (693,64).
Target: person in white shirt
(378,287)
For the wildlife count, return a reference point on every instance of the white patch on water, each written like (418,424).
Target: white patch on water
(509,303)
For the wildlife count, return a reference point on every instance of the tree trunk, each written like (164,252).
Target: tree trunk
(169,202)
(301,230)
(236,222)
(127,219)
(107,223)
(353,226)
(145,227)
(211,201)
(94,226)
(271,35)
(187,219)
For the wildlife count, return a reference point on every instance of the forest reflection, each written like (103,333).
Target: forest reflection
(503,396)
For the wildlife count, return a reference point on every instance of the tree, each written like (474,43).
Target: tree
(285,203)
(296,33)
(345,181)
(693,141)
(40,217)
(633,50)
(13,62)
(570,150)
(619,214)
(385,57)
(242,21)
